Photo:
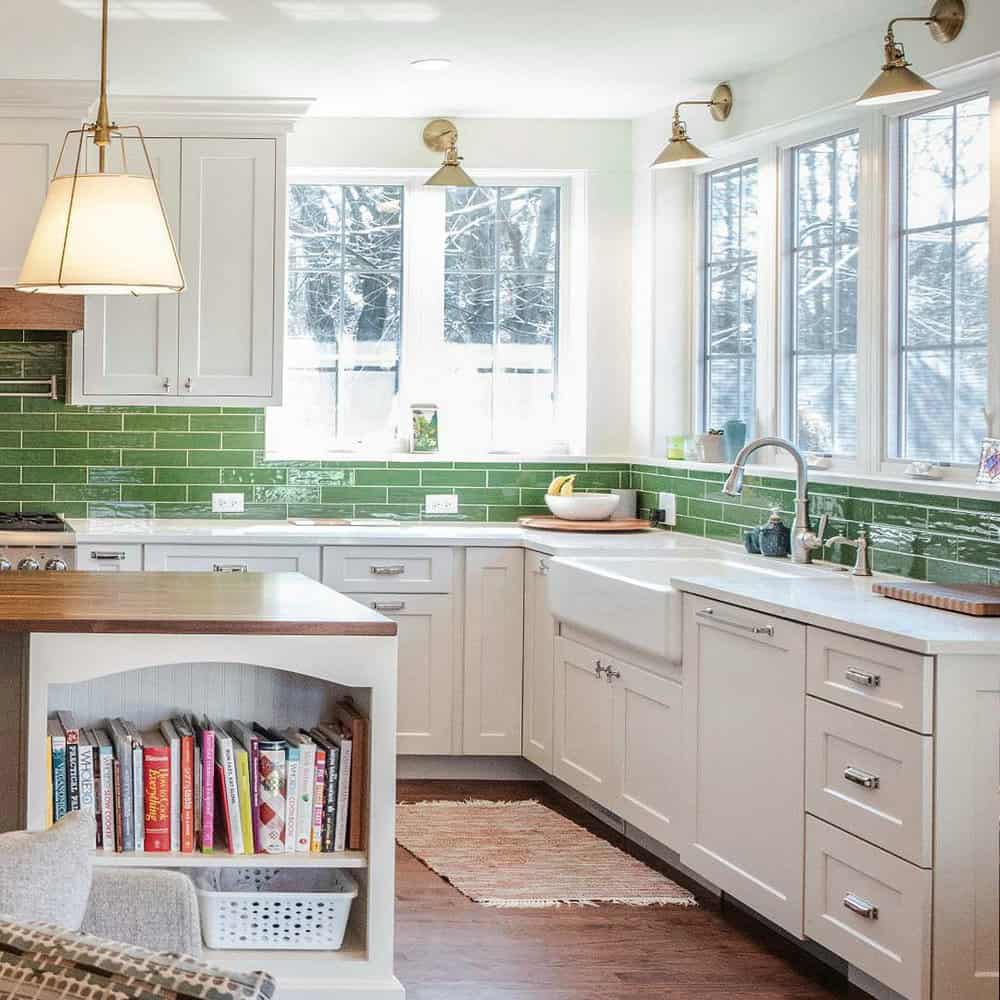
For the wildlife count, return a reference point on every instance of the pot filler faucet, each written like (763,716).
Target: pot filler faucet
(804,540)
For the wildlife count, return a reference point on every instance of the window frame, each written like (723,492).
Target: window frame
(422,298)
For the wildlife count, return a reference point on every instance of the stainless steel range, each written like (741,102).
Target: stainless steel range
(36,542)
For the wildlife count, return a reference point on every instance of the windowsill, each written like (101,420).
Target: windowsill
(488,458)
(934,487)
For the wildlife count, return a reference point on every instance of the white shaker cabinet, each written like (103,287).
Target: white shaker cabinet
(494,651)
(744,720)
(539,656)
(183,558)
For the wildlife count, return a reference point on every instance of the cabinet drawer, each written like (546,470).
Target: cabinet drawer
(108,558)
(872,779)
(233,559)
(379,569)
(869,907)
(891,684)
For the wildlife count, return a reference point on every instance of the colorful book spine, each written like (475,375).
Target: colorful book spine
(319,786)
(138,812)
(292,760)
(187,784)
(207,736)
(119,808)
(156,765)
(343,794)
(173,741)
(330,791)
(124,811)
(243,784)
(48,781)
(254,749)
(106,770)
(59,800)
(225,754)
(271,814)
(85,771)
(72,732)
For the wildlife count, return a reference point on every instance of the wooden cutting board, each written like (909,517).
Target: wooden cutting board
(548,523)
(965,598)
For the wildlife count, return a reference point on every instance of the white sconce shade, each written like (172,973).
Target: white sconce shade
(101,234)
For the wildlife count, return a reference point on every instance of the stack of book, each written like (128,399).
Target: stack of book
(192,784)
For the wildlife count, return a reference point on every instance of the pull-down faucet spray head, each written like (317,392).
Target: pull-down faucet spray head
(734,483)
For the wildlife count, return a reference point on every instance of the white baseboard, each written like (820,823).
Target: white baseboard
(446,768)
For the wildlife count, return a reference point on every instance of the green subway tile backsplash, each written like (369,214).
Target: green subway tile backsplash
(144,461)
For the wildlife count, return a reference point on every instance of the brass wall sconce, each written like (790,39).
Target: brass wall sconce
(680,151)
(441,136)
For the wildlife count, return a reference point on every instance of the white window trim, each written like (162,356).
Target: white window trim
(423,292)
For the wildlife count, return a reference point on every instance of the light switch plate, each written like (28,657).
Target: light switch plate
(668,504)
(227,503)
(440,503)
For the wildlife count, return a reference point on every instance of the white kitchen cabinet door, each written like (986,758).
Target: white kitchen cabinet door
(539,655)
(582,721)
(233,559)
(28,153)
(494,651)
(744,749)
(228,311)
(967,821)
(425,675)
(129,343)
(646,750)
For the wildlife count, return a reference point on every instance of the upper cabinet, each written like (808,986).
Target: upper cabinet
(219,341)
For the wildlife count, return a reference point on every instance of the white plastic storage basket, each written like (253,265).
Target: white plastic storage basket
(288,908)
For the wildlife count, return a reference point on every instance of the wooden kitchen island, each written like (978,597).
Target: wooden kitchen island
(278,648)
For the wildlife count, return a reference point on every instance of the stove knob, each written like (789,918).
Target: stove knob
(5,566)
(28,565)
(56,565)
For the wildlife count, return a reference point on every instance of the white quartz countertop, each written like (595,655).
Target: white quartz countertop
(828,599)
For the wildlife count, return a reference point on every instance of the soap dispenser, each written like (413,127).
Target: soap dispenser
(775,538)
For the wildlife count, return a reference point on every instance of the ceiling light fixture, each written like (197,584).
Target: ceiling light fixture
(102,233)
(430,65)
(441,136)
(897,82)
(680,151)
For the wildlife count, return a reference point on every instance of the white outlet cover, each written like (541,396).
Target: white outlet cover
(227,503)
(440,503)
(668,504)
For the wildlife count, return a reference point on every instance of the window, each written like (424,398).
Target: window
(822,280)
(943,256)
(462,313)
(730,296)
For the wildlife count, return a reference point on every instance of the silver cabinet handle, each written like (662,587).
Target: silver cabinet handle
(229,568)
(862,677)
(166,385)
(861,906)
(752,629)
(389,605)
(187,383)
(611,674)
(599,669)
(387,570)
(860,777)
(108,556)
(543,567)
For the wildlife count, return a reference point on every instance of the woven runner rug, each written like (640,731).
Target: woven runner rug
(522,854)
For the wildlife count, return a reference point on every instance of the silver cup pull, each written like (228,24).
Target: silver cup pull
(862,677)
(861,906)
(860,777)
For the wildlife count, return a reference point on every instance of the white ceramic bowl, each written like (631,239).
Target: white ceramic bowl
(583,506)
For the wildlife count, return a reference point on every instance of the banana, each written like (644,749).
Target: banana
(566,490)
(556,485)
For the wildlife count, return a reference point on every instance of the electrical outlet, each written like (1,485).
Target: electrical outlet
(440,503)
(668,504)
(227,503)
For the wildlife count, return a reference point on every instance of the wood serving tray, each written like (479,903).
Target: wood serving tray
(965,598)
(547,522)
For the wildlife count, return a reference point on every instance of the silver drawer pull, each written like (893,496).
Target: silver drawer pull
(108,556)
(389,605)
(861,906)
(863,678)
(860,777)
(387,570)
(752,629)
(543,567)
(229,568)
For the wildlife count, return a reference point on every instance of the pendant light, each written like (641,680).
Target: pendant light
(441,136)
(103,232)
(897,82)
(680,151)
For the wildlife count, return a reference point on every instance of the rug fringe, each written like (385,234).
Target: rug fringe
(535,904)
(485,803)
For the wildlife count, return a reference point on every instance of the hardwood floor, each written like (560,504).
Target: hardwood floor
(449,948)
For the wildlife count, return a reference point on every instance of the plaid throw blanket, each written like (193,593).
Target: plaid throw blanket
(43,962)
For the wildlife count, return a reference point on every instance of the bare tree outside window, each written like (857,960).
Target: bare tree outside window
(943,261)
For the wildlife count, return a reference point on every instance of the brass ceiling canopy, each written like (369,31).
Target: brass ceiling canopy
(103,232)
(680,151)
(897,82)
(441,136)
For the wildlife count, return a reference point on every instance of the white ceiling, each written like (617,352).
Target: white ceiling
(522,58)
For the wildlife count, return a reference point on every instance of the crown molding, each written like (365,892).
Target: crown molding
(237,115)
(68,99)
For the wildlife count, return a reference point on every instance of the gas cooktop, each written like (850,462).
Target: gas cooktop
(31,541)
(24,521)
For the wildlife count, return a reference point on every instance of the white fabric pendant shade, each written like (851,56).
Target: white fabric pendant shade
(116,241)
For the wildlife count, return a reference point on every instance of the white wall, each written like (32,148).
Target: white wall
(597,153)
(782,98)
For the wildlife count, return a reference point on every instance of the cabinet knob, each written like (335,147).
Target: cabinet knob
(599,669)
(166,385)
(611,674)
(187,383)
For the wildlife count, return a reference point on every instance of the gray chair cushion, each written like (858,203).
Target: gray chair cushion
(46,874)
(42,961)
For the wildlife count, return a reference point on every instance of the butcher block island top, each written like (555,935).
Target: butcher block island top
(182,603)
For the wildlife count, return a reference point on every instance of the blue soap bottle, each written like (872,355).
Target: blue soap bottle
(775,538)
